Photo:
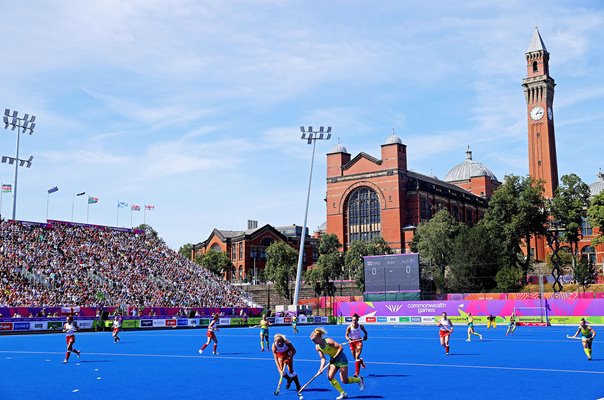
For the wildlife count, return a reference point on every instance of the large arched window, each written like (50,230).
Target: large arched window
(364,219)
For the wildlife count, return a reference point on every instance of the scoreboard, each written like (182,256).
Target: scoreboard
(392,273)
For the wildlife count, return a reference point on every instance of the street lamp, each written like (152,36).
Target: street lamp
(26,124)
(312,137)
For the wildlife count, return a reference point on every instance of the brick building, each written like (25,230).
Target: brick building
(247,248)
(369,197)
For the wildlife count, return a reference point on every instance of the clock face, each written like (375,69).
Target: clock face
(537,113)
(550,113)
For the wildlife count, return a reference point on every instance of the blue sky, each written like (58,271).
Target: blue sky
(195,106)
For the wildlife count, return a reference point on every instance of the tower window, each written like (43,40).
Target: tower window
(535,66)
(539,162)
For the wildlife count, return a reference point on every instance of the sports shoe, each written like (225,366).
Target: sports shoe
(342,395)
(215,352)
(467,340)
(78,353)
(200,351)
(361,384)
(480,336)
(65,361)
(300,397)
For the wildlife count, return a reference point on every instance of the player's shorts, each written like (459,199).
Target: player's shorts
(211,335)
(354,346)
(263,331)
(69,339)
(116,331)
(444,333)
(340,361)
(285,356)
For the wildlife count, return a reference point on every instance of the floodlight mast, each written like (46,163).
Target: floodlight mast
(312,137)
(26,124)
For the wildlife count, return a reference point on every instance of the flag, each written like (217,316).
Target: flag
(81,194)
(92,200)
(149,207)
(53,189)
(122,204)
(135,207)
(7,188)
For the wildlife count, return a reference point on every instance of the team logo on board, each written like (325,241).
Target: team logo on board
(393,308)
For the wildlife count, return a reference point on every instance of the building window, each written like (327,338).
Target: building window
(424,209)
(586,229)
(234,252)
(364,215)
(535,66)
(240,245)
(589,253)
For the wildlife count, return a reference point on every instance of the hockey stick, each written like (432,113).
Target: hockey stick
(313,378)
(352,341)
(276,392)
(573,337)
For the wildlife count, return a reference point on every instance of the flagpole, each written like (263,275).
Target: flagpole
(130,214)
(1,193)
(117,217)
(145,216)
(72,205)
(87,211)
(47,201)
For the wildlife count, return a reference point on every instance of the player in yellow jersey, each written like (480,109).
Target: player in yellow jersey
(587,337)
(471,328)
(512,325)
(338,361)
(264,324)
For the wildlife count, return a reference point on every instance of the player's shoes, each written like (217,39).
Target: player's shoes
(215,352)
(200,351)
(65,361)
(300,397)
(361,384)
(480,336)
(342,396)
(467,340)
(78,353)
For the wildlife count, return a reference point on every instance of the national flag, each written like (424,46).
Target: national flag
(122,204)
(7,188)
(135,207)
(53,189)
(93,200)
(81,194)
(149,207)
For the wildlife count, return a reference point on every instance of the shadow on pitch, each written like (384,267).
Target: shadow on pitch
(387,376)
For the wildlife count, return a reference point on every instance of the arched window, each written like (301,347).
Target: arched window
(364,218)
(216,247)
(590,253)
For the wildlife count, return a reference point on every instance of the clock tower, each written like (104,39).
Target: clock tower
(539,95)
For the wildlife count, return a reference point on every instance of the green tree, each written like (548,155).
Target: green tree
(568,207)
(510,278)
(516,213)
(186,250)
(474,261)
(595,216)
(149,231)
(281,266)
(435,243)
(215,261)
(585,272)
(329,265)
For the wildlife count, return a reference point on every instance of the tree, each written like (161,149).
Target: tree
(329,265)
(474,261)
(509,279)
(281,266)
(585,272)
(568,207)
(149,231)
(186,250)
(595,216)
(435,243)
(215,261)
(516,213)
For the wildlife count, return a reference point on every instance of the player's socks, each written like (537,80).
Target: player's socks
(297,382)
(447,349)
(354,379)
(357,367)
(215,347)
(587,352)
(336,385)
(204,347)
(67,354)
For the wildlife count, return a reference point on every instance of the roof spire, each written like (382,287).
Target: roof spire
(468,153)
(536,43)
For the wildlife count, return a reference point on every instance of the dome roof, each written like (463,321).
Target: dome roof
(468,169)
(598,186)
(339,149)
(392,139)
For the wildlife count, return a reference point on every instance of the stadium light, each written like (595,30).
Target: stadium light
(311,136)
(22,125)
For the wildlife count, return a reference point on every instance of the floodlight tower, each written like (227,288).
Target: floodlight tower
(312,137)
(27,124)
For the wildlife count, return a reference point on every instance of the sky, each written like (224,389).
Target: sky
(195,106)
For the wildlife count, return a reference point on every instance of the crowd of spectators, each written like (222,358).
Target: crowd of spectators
(73,264)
